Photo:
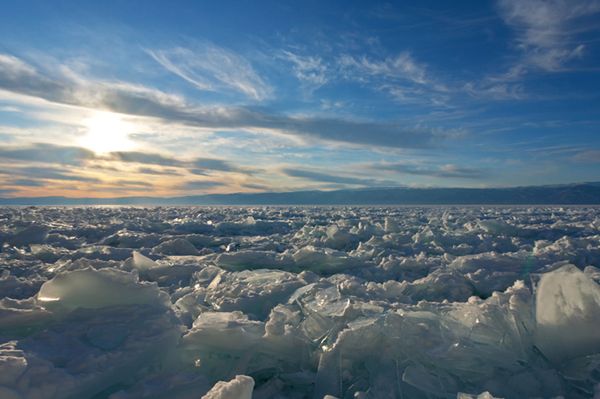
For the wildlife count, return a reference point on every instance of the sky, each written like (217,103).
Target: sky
(127,98)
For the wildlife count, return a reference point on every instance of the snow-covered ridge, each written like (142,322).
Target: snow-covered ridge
(291,302)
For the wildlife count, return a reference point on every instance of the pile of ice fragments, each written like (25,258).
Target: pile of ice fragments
(242,303)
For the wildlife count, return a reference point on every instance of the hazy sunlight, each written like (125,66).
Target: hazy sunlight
(107,132)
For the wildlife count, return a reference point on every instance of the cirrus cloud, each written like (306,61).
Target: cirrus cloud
(211,68)
(137,100)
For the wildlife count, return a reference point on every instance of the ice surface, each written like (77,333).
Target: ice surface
(178,303)
(90,288)
(484,395)
(238,388)
(177,246)
(141,262)
(567,314)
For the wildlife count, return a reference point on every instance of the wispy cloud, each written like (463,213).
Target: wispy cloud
(159,172)
(402,76)
(144,158)
(6,108)
(444,171)
(52,173)
(402,67)
(215,164)
(51,155)
(17,75)
(199,166)
(321,177)
(131,183)
(195,185)
(140,101)
(545,30)
(495,89)
(255,186)
(588,156)
(47,153)
(26,182)
(546,38)
(5,191)
(212,68)
(311,71)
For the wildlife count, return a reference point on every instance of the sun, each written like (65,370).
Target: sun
(107,132)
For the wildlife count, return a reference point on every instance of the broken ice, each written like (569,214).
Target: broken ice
(446,302)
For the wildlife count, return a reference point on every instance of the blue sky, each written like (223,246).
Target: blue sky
(186,97)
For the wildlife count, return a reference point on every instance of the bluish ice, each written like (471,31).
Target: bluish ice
(299,302)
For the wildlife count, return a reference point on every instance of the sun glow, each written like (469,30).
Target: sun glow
(106,132)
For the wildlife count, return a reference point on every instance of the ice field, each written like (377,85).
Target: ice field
(350,302)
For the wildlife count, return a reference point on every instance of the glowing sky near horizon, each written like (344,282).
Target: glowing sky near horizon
(152,98)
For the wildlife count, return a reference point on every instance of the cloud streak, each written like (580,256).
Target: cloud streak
(48,153)
(144,158)
(52,173)
(402,76)
(321,177)
(589,156)
(199,166)
(195,185)
(445,171)
(401,67)
(544,30)
(211,68)
(157,172)
(135,100)
(311,71)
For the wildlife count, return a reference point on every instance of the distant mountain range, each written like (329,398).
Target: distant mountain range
(576,194)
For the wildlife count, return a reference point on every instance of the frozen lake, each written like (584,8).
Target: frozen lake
(299,302)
